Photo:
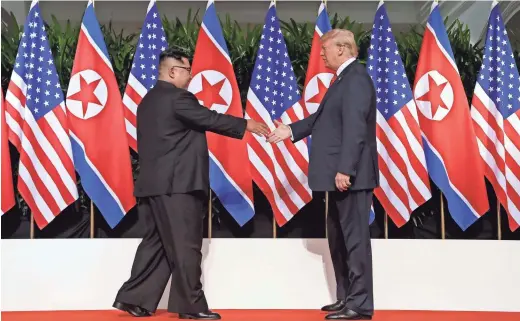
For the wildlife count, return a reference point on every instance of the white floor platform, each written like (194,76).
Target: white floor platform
(85,274)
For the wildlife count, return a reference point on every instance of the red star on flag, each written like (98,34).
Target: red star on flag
(322,90)
(210,94)
(434,95)
(86,93)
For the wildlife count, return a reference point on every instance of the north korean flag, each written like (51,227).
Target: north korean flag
(215,86)
(97,125)
(450,144)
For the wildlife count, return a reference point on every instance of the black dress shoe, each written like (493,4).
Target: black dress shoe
(337,306)
(347,314)
(208,315)
(134,310)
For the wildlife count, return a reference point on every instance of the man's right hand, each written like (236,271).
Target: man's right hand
(281,132)
(257,128)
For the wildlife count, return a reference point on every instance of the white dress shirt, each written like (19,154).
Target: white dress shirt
(344,65)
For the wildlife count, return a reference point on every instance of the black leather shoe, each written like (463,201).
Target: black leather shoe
(134,310)
(347,314)
(337,306)
(208,315)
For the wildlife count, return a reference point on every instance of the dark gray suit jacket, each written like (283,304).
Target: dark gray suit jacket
(171,140)
(343,133)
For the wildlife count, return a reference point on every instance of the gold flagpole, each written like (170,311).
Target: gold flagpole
(386,225)
(31,233)
(210,211)
(274,227)
(91,219)
(443,226)
(499,223)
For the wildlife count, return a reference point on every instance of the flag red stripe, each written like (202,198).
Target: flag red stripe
(302,163)
(390,209)
(266,190)
(39,219)
(417,165)
(39,184)
(397,186)
(53,139)
(13,138)
(491,148)
(17,92)
(132,142)
(45,161)
(512,134)
(399,159)
(268,162)
(488,117)
(291,178)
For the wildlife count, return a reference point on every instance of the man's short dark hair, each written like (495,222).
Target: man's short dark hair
(173,53)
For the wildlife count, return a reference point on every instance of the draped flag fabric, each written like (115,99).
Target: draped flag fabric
(279,170)
(449,138)
(145,68)
(496,116)
(215,86)
(8,199)
(97,125)
(318,77)
(37,122)
(405,184)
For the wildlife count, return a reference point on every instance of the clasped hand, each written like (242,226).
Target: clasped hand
(257,127)
(283,132)
(280,133)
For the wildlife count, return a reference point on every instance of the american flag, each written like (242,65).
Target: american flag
(280,170)
(37,122)
(495,113)
(145,71)
(402,170)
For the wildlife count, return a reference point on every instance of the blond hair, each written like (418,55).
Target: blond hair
(342,37)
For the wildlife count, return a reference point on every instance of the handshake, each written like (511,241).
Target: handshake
(281,132)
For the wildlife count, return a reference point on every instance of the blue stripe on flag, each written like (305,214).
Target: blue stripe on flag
(212,24)
(323,21)
(95,188)
(91,23)
(437,24)
(459,210)
(231,199)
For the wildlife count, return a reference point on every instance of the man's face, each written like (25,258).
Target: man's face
(330,53)
(180,72)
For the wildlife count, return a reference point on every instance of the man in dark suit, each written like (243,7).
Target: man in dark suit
(172,186)
(343,162)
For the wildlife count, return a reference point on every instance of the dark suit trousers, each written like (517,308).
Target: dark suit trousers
(350,248)
(171,246)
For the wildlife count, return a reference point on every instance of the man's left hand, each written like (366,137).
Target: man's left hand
(343,182)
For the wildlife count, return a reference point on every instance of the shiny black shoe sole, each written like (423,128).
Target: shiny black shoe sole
(193,317)
(126,308)
(335,307)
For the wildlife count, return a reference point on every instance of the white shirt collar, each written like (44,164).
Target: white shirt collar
(344,65)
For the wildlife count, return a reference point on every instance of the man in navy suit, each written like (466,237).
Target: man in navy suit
(343,162)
